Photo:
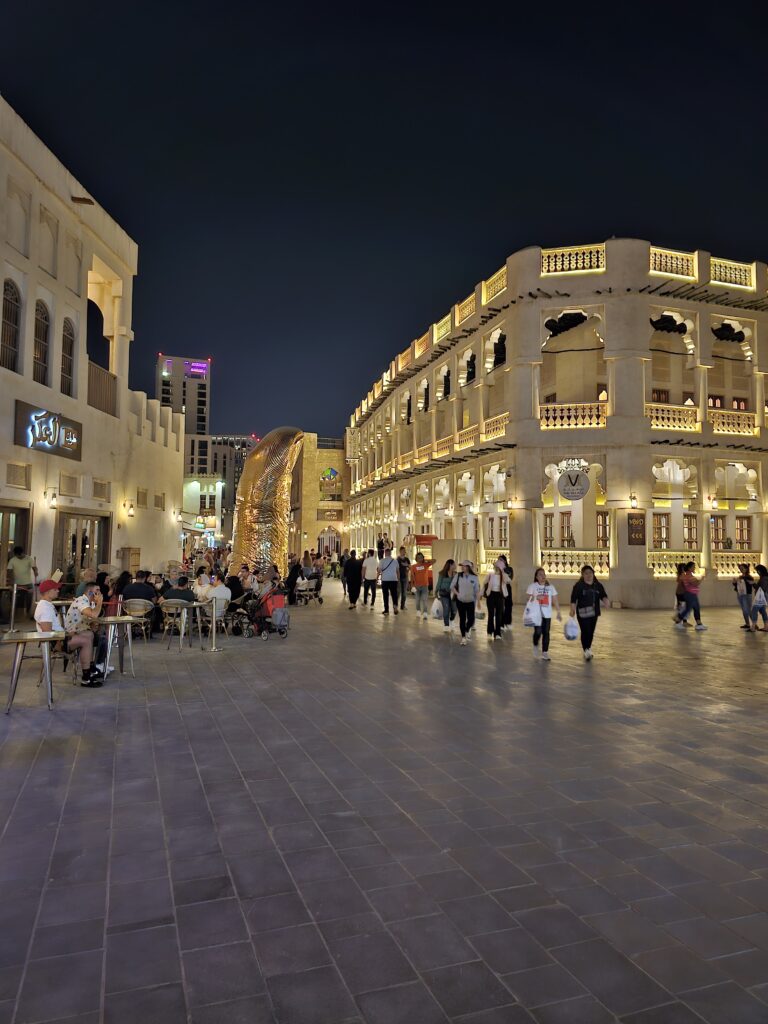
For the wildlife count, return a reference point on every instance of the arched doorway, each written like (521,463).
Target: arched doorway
(329,539)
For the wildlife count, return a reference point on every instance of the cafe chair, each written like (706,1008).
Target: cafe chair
(141,611)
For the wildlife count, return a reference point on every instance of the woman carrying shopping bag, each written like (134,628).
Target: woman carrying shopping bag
(587,598)
(544,594)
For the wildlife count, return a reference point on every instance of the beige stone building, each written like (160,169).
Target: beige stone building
(90,471)
(319,486)
(599,404)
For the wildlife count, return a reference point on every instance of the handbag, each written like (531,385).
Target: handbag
(532,613)
(587,612)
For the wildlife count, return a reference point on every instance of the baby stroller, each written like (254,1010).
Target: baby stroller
(268,614)
(309,589)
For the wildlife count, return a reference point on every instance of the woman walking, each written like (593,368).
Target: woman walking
(691,586)
(443,593)
(420,584)
(759,600)
(353,574)
(509,572)
(743,585)
(465,589)
(495,590)
(541,590)
(587,598)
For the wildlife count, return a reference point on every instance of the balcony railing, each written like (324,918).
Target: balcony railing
(465,309)
(672,417)
(423,454)
(726,563)
(673,264)
(443,446)
(496,426)
(405,460)
(403,360)
(738,275)
(495,284)
(443,328)
(573,259)
(568,561)
(467,437)
(725,421)
(557,416)
(421,345)
(102,389)
(664,563)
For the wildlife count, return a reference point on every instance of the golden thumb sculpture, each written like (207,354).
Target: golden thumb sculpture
(263,503)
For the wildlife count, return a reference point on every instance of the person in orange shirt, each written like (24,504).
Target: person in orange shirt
(420,583)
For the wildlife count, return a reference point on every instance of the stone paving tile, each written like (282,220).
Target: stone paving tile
(318,834)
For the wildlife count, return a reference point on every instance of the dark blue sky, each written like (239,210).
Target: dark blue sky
(311,186)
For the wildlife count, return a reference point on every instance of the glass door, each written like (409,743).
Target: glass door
(14,529)
(82,542)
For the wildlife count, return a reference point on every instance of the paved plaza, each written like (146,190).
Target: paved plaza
(368,823)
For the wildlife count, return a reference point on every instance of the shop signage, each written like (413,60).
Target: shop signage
(573,485)
(330,515)
(46,431)
(636,528)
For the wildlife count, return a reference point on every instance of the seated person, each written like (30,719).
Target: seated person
(202,583)
(141,589)
(46,615)
(89,576)
(181,592)
(79,622)
(235,587)
(220,593)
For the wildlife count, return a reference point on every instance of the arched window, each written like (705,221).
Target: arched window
(9,339)
(42,331)
(67,356)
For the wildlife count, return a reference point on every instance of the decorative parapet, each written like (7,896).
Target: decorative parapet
(725,421)
(568,561)
(404,359)
(405,460)
(467,437)
(573,259)
(672,417)
(443,327)
(672,263)
(465,309)
(737,275)
(494,285)
(664,563)
(726,563)
(423,454)
(496,426)
(572,415)
(421,345)
(443,446)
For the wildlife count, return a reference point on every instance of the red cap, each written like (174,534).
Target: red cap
(47,585)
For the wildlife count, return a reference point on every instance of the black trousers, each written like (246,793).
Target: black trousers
(466,610)
(353,590)
(389,588)
(542,633)
(587,627)
(508,607)
(403,591)
(495,605)
(369,587)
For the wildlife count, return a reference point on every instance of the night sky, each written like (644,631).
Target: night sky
(312,186)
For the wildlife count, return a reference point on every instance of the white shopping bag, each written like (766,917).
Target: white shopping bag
(532,613)
(437,608)
(571,628)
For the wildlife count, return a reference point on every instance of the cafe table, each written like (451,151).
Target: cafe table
(21,639)
(113,624)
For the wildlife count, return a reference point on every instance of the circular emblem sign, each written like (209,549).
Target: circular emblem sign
(573,485)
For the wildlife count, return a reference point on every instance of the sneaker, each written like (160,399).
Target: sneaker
(463,641)
(700,627)
(745,627)
(536,651)
(105,670)
(387,613)
(588,655)
(679,625)
(446,629)
(425,615)
(545,656)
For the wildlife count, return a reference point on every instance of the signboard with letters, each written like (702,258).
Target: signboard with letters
(329,515)
(636,528)
(44,431)
(573,485)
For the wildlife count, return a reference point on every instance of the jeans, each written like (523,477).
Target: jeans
(691,605)
(422,599)
(449,608)
(466,610)
(542,633)
(495,605)
(389,589)
(759,610)
(745,600)
(369,586)
(587,627)
(403,591)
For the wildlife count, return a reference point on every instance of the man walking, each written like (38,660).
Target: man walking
(404,563)
(370,577)
(389,571)
(24,572)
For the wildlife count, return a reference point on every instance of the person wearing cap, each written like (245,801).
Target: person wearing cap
(46,616)
(465,590)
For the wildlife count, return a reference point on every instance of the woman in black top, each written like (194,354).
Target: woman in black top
(353,574)
(510,574)
(587,597)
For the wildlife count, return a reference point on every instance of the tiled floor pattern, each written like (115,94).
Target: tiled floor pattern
(368,823)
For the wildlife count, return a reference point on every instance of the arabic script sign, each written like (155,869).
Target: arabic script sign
(573,485)
(46,431)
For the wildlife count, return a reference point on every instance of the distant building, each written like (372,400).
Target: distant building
(184,384)
(90,471)
(212,468)
(319,490)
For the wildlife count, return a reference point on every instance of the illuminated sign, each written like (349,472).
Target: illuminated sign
(636,528)
(46,431)
(196,367)
(332,515)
